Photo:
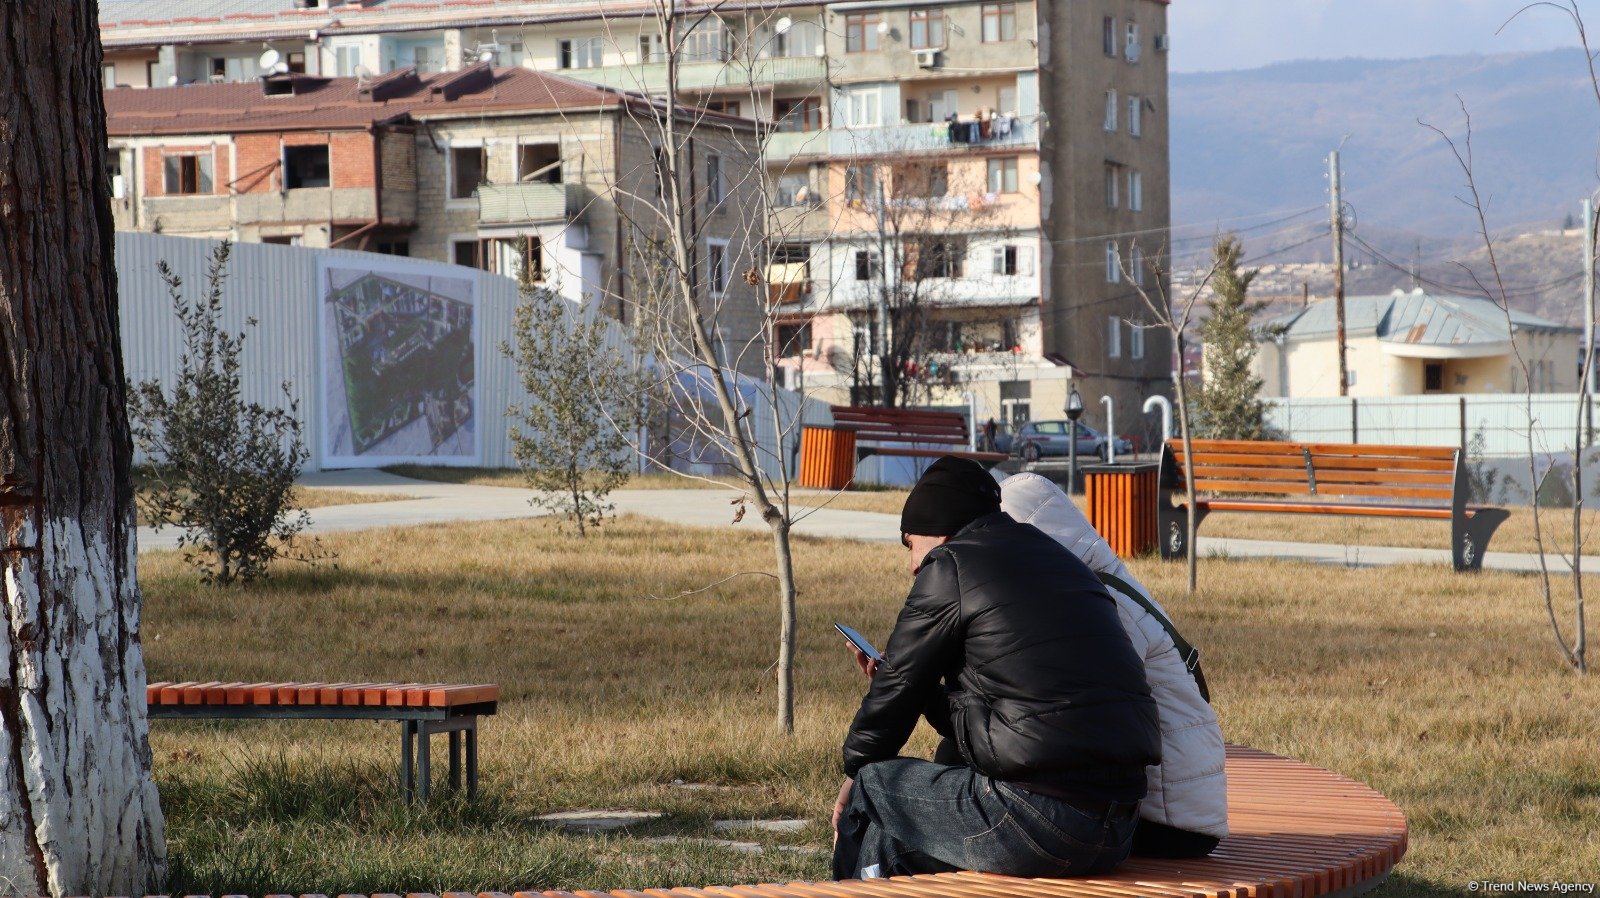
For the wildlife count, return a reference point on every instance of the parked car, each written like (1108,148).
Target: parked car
(1039,439)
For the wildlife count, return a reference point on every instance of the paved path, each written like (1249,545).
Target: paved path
(434,503)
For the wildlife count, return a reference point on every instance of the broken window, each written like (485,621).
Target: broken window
(539,162)
(188,174)
(467,165)
(306,166)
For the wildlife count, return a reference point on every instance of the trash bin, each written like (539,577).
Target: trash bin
(827,457)
(1120,501)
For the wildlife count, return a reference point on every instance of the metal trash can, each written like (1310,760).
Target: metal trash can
(1120,501)
(827,457)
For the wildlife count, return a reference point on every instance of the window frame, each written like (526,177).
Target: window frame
(866,265)
(1005,170)
(1132,49)
(1108,37)
(931,18)
(451,172)
(327,150)
(716,183)
(717,267)
(866,26)
(1135,190)
(1135,116)
(1135,341)
(202,176)
(1002,15)
(1113,262)
(1113,185)
(1113,110)
(811,117)
(1113,337)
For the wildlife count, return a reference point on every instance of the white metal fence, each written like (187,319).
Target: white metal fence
(1504,420)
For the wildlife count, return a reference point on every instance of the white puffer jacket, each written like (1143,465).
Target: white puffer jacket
(1189,790)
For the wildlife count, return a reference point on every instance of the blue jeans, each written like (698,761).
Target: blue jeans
(909,816)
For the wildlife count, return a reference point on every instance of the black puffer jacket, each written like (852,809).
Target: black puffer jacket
(1023,643)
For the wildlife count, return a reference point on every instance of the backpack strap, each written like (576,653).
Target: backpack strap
(1187,652)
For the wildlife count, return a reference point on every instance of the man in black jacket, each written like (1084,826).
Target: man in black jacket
(1010,646)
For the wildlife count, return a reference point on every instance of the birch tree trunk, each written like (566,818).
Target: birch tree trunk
(78,808)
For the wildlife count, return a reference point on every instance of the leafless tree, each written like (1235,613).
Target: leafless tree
(702,282)
(919,214)
(79,814)
(1493,287)
(1174,317)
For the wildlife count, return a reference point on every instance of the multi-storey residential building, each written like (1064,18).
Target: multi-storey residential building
(1017,150)
(483,166)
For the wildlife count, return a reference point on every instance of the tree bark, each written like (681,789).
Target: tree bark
(79,813)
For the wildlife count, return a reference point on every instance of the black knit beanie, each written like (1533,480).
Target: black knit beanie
(951,494)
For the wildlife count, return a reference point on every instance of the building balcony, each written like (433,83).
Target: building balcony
(783,145)
(306,204)
(705,76)
(924,138)
(531,203)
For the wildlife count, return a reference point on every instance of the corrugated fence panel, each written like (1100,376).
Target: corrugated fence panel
(277,286)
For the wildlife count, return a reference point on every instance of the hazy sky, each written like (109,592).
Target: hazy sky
(1208,35)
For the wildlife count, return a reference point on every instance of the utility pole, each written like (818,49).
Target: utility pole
(1588,293)
(884,361)
(1336,208)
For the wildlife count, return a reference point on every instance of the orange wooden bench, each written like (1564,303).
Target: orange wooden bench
(908,433)
(1422,482)
(1297,831)
(423,710)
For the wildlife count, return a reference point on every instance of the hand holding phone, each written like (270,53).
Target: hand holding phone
(867,657)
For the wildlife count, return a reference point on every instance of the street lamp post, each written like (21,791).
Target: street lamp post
(1074,412)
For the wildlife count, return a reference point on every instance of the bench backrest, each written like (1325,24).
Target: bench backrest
(1334,470)
(896,425)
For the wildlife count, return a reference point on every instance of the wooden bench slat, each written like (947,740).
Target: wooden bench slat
(1297,460)
(1267,507)
(451,696)
(1444,478)
(1377,450)
(1329,462)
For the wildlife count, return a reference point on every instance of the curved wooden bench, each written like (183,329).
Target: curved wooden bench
(1298,831)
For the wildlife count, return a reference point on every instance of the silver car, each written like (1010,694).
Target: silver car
(1038,439)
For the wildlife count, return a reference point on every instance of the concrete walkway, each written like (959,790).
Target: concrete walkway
(428,502)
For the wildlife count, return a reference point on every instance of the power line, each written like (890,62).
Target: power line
(1519,292)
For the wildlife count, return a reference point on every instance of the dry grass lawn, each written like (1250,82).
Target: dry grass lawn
(1441,690)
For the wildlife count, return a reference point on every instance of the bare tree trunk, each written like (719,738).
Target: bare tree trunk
(1191,517)
(787,615)
(78,808)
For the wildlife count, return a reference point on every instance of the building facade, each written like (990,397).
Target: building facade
(484,167)
(1000,168)
(1407,344)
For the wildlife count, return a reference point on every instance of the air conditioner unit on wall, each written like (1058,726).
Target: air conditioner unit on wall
(927,59)
(1163,42)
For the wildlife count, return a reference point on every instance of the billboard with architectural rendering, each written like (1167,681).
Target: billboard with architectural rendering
(399,358)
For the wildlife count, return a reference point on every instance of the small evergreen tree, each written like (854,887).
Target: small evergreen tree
(573,444)
(1229,404)
(220,468)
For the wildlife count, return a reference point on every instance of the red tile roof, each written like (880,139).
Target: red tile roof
(346,103)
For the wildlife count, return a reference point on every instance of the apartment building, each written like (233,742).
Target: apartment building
(1017,151)
(483,166)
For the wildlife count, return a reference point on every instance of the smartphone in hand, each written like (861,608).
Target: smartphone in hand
(859,641)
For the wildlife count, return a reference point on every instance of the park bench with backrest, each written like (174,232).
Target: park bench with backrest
(423,710)
(1418,482)
(908,433)
(1296,831)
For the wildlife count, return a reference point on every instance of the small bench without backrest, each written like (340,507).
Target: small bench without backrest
(1421,482)
(423,710)
(908,433)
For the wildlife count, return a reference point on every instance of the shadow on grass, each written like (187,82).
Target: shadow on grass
(1401,885)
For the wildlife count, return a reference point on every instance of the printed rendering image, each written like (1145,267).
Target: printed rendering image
(399,356)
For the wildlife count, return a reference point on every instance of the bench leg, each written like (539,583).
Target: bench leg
(472,760)
(455,761)
(1469,537)
(407,784)
(1172,523)
(424,774)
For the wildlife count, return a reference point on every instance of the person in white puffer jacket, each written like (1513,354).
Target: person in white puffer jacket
(1185,812)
